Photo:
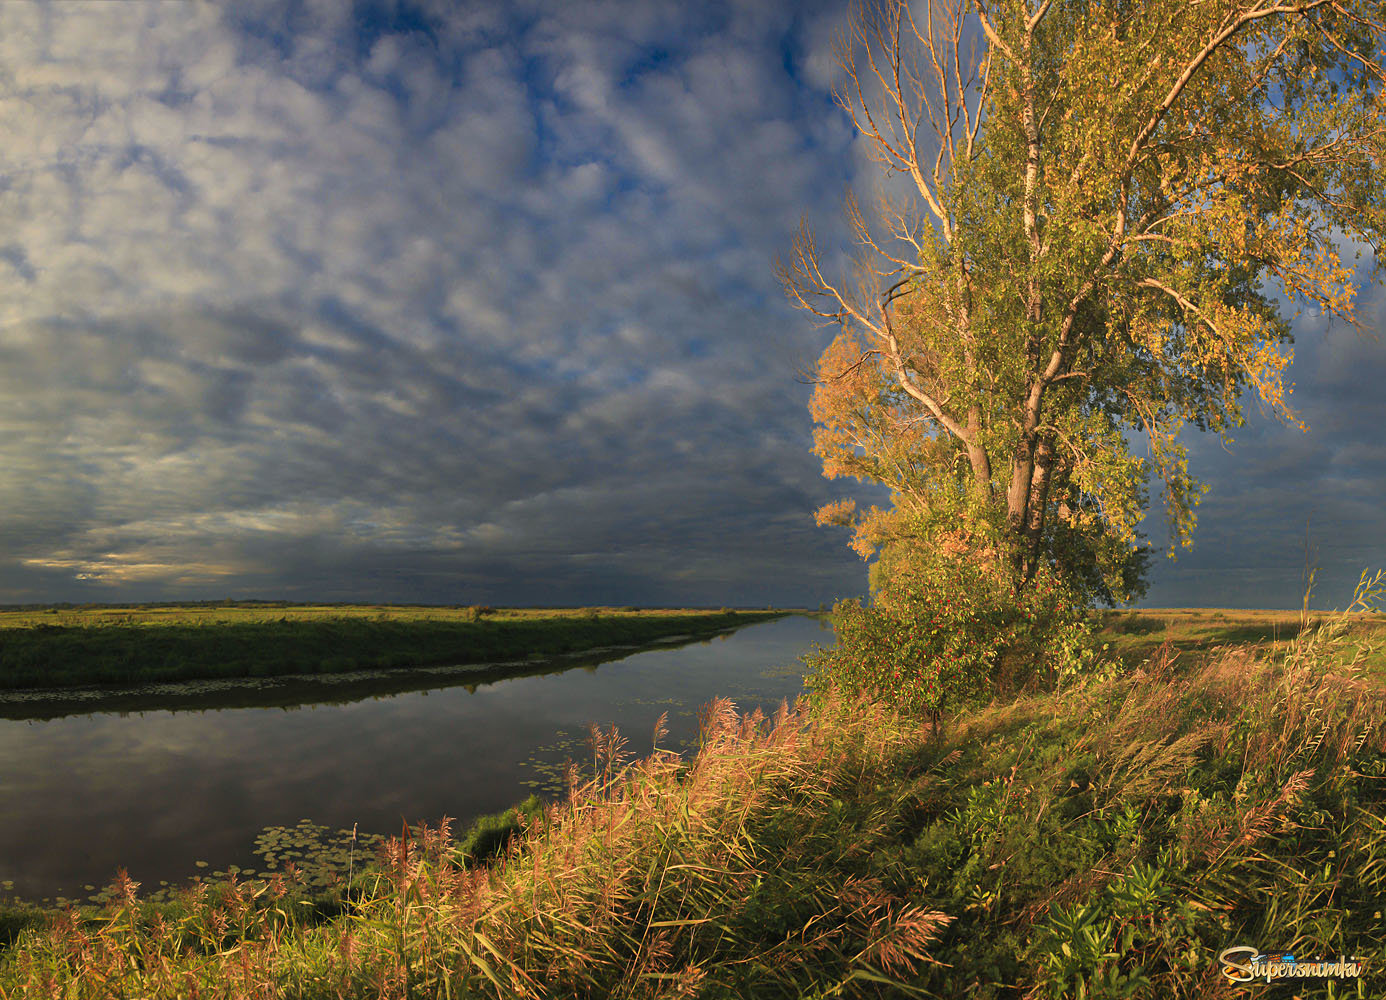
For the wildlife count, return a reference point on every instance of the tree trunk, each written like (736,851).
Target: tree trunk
(976,451)
(1038,501)
(1019,495)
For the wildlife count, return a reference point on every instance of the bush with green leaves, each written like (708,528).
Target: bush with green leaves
(953,632)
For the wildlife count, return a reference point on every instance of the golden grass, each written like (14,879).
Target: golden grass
(1136,635)
(653,879)
(1102,839)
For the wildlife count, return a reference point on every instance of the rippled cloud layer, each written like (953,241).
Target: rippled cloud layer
(463,303)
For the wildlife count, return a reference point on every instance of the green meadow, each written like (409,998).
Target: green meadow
(145,644)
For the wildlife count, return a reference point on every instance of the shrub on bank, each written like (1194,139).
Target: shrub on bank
(491,835)
(954,636)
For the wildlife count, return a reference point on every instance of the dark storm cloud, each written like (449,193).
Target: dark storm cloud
(411,303)
(1278,488)
(465,303)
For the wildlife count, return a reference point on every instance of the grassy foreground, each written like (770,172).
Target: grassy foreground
(1104,840)
(149,644)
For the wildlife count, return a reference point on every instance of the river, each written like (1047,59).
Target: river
(173,792)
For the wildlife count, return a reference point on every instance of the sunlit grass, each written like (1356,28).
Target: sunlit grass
(1136,635)
(741,872)
(1104,839)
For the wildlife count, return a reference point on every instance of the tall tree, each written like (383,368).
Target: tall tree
(1110,208)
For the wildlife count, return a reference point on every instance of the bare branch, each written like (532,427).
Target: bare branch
(805,284)
(866,356)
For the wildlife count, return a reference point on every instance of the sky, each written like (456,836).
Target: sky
(474,303)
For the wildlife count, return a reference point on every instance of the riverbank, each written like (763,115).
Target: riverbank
(67,648)
(1108,838)
(290,691)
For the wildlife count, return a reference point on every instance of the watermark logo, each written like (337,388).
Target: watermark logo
(1242,964)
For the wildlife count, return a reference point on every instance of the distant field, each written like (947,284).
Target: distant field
(138,644)
(1136,635)
(255,611)
(69,647)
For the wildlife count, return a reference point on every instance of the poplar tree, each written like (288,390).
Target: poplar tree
(1113,212)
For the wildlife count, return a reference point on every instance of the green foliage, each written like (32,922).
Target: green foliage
(1108,839)
(489,835)
(1106,208)
(15,917)
(1082,947)
(946,627)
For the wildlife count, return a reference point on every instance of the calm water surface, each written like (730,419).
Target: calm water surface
(157,791)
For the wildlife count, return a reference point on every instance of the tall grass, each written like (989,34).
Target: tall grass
(1109,839)
(743,872)
(1103,840)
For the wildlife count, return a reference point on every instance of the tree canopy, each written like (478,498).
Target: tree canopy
(1113,211)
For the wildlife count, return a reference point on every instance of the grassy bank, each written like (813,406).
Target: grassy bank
(67,648)
(1134,636)
(1104,840)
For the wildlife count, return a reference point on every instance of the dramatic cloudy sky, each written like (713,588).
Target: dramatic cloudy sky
(475,304)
